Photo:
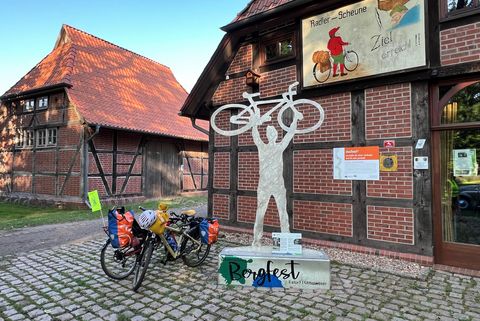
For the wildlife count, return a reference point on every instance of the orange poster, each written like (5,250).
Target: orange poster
(356,163)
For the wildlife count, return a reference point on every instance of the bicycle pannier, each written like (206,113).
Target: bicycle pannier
(120,228)
(209,230)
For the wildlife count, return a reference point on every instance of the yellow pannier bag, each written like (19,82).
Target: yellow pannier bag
(159,226)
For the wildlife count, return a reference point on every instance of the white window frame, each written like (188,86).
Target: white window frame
(28,138)
(41,137)
(52,136)
(42,103)
(29,105)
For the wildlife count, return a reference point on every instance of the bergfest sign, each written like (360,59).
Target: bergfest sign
(368,38)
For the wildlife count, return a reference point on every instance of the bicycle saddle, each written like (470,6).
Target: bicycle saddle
(189,212)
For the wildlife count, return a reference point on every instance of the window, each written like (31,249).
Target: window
(41,137)
(42,103)
(25,139)
(279,49)
(29,105)
(29,138)
(52,137)
(454,7)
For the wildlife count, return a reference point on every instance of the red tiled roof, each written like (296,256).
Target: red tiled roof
(258,6)
(113,87)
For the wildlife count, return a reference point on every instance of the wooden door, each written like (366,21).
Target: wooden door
(162,169)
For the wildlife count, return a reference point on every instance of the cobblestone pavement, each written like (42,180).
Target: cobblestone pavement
(67,283)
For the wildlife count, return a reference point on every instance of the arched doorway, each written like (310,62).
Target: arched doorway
(456,174)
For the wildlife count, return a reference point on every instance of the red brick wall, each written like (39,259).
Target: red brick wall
(230,91)
(248,171)
(330,218)
(134,185)
(276,82)
(23,161)
(65,157)
(313,173)
(398,184)
(388,112)
(247,209)
(221,206)
(44,185)
(45,161)
(337,124)
(103,140)
(222,121)
(127,141)
(242,61)
(390,224)
(22,183)
(95,183)
(221,170)
(69,136)
(72,185)
(460,44)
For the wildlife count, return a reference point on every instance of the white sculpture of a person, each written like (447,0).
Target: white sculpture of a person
(271,182)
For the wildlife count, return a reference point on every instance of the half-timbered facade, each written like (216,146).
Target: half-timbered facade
(92,115)
(401,77)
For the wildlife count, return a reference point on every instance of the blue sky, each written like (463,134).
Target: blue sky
(180,34)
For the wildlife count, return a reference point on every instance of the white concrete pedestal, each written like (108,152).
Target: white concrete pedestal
(258,267)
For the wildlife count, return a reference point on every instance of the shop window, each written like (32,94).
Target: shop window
(281,48)
(42,103)
(460,159)
(28,105)
(455,7)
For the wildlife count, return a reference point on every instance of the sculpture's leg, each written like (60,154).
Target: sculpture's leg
(262,204)
(280,198)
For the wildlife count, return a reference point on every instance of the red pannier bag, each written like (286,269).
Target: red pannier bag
(120,228)
(209,228)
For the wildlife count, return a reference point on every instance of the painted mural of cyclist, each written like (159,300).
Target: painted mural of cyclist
(335,45)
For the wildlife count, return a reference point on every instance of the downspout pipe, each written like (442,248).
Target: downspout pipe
(203,130)
(85,165)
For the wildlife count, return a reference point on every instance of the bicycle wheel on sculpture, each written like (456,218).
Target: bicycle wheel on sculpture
(308,108)
(193,253)
(351,60)
(142,265)
(117,263)
(234,114)
(319,75)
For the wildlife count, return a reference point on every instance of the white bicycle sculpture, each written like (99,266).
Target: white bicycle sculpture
(244,118)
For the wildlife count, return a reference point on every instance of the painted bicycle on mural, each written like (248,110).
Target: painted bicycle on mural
(245,116)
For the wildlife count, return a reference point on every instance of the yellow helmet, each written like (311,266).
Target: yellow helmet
(162,207)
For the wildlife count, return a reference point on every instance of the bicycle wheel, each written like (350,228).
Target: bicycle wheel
(351,60)
(193,253)
(306,102)
(243,121)
(319,75)
(117,263)
(142,265)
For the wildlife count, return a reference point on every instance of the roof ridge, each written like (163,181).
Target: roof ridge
(115,45)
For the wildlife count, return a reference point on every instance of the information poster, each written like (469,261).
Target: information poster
(367,38)
(356,163)
(287,243)
(465,162)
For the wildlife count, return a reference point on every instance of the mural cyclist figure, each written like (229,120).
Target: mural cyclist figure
(271,181)
(335,45)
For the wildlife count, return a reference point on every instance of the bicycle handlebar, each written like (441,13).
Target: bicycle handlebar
(142,208)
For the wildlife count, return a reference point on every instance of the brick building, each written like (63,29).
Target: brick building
(394,79)
(92,115)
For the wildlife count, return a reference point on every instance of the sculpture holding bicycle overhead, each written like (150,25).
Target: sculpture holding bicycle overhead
(270,155)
